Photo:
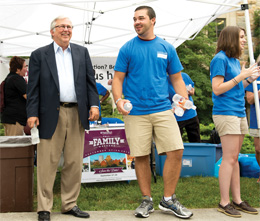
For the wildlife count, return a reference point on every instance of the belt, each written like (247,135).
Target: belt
(67,104)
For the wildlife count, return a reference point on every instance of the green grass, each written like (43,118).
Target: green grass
(193,192)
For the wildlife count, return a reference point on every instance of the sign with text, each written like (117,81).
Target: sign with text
(106,156)
(104,69)
(111,140)
(103,66)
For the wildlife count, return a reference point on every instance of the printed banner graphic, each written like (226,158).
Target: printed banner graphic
(106,156)
(105,141)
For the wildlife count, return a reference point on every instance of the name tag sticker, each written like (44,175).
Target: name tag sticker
(161,55)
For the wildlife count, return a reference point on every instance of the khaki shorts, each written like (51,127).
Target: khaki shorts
(142,129)
(227,124)
(254,132)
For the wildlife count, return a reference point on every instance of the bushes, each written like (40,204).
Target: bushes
(248,145)
(2,132)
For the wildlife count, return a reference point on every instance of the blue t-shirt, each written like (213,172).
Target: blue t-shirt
(101,91)
(231,102)
(146,64)
(188,114)
(253,120)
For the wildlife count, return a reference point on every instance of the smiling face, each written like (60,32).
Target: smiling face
(242,39)
(143,24)
(61,35)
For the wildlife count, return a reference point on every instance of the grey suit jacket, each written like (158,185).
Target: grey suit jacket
(43,93)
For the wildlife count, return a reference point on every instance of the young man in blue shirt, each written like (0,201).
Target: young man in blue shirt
(142,66)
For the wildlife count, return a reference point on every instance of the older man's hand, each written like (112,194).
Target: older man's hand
(93,114)
(33,120)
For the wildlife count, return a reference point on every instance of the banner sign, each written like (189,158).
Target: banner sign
(106,156)
(100,141)
(103,66)
(104,69)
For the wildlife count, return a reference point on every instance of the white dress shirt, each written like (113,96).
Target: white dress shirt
(65,74)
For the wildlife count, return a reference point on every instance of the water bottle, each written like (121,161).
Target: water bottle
(177,109)
(128,106)
(99,121)
(189,105)
(188,87)
(35,135)
(178,99)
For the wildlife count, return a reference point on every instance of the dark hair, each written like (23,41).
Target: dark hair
(228,41)
(16,63)
(150,11)
(258,60)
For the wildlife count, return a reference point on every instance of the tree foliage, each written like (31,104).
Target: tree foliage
(257,32)
(195,56)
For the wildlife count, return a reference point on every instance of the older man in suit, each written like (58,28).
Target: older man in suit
(61,99)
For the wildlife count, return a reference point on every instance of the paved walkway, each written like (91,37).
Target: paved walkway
(126,215)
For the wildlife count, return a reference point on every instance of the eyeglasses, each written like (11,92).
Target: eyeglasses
(62,27)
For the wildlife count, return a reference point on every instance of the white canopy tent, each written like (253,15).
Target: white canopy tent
(103,26)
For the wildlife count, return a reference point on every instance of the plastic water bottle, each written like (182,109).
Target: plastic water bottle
(128,106)
(178,99)
(188,87)
(189,105)
(99,121)
(177,109)
(35,135)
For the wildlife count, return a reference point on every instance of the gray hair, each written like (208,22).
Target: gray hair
(53,23)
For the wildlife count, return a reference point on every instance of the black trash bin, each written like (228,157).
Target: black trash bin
(16,174)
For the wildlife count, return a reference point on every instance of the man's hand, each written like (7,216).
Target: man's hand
(120,106)
(191,92)
(33,120)
(93,114)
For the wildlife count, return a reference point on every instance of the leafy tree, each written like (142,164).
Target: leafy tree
(257,32)
(195,57)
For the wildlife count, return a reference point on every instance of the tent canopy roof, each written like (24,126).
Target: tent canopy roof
(103,26)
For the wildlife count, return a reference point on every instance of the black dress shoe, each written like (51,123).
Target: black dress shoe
(75,211)
(44,216)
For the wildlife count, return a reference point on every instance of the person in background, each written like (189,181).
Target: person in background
(14,114)
(110,82)
(62,98)
(104,93)
(229,116)
(141,75)
(254,131)
(189,120)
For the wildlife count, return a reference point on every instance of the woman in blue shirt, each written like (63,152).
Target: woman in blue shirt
(229,116)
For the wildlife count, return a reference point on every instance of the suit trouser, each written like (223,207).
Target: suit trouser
(69,138)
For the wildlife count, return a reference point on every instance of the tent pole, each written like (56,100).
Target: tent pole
(252,61)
